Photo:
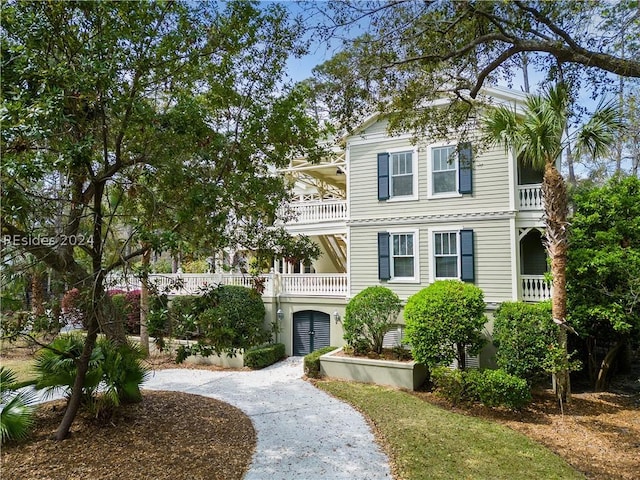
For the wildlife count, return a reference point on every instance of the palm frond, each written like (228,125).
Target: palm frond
(598,135)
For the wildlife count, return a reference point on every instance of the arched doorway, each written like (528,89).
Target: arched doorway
(310,331)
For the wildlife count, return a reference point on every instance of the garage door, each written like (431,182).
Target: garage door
(310,331)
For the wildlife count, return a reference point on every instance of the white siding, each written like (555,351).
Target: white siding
(492,258)
(490,180)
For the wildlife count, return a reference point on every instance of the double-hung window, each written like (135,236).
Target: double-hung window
(402,264)
(446,254)
(401,174)
(450,168)
(444,170)
(397,175)
(453,255)
(398,256)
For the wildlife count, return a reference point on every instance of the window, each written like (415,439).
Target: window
(453,255)
(397,175)
(402,259)
(401,174)
(444,170)
(451,170)
(398,256)
(446,254)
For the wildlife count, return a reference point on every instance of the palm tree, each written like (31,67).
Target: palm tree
(537,137)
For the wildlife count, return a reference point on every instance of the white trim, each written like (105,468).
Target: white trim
(378,137)
(430,194)
(415,169)
(432,250)
(443,217)
(416,254)
(515,260)
(512,162)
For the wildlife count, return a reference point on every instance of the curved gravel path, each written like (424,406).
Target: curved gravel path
(303,433)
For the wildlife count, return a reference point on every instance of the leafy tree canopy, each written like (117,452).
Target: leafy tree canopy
(415,51)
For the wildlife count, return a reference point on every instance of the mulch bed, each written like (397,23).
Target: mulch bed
(167,436)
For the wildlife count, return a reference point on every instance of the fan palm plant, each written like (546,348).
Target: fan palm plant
(537,136)
(16,408)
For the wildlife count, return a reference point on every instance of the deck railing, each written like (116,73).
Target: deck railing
(530,197)
(316,212)
(535,288)
(313,284)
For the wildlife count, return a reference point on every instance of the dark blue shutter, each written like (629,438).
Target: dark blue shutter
(467,270)
(384,266)
(465,162)
(383,176)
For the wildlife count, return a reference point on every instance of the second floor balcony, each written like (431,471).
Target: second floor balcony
(315,212)
(529,197)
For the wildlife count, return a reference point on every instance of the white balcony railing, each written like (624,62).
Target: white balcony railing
(535,288)
(312,284)
(530,197)
(316,212)
(320,284)
(189,283)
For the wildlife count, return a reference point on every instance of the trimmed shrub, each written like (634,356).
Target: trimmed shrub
(522,334)
(495,388)
(443,321)
(450,384)
(368,317)
(261,357)
(132,300)
(312,361)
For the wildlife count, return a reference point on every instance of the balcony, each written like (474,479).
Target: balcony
(307,213)
(530,197)
(317,284)
(534,288)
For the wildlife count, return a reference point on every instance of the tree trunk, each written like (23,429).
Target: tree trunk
(76,394)
(462,357)
(37,294)
(603,375)
(554,191)
(144,303)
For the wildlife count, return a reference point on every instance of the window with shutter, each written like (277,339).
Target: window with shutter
(453,255)
(398,256)
(397,176)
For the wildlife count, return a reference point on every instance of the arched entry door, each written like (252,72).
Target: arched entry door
(310,331)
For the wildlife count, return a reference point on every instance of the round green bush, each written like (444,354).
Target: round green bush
(368,317)
(234,320)
(445,320)
(495,388)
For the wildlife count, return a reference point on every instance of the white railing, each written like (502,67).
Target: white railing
(535,288)
(189,283)
(320,284)
(315,212)
(312,284)
(530,197)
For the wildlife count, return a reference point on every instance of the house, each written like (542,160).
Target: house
(394,213)
(388,211)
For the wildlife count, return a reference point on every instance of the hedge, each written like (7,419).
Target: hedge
(312,361)
(261,357)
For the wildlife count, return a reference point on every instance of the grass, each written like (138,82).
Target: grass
(22,368)
(428,442)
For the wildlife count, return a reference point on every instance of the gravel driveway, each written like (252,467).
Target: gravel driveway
(303,433)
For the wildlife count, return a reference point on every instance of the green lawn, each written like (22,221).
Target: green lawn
(428,442)
(22,368)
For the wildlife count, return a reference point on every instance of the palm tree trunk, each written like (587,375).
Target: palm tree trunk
(554,191)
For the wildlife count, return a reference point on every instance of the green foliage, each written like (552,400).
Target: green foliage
(368,317)
(493,388)
(114,371)
(450,384)
(497,388)
(224,319)
(522,334)
(261,357)
(603,270)
(443,320)
(16,410)
(312,361)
